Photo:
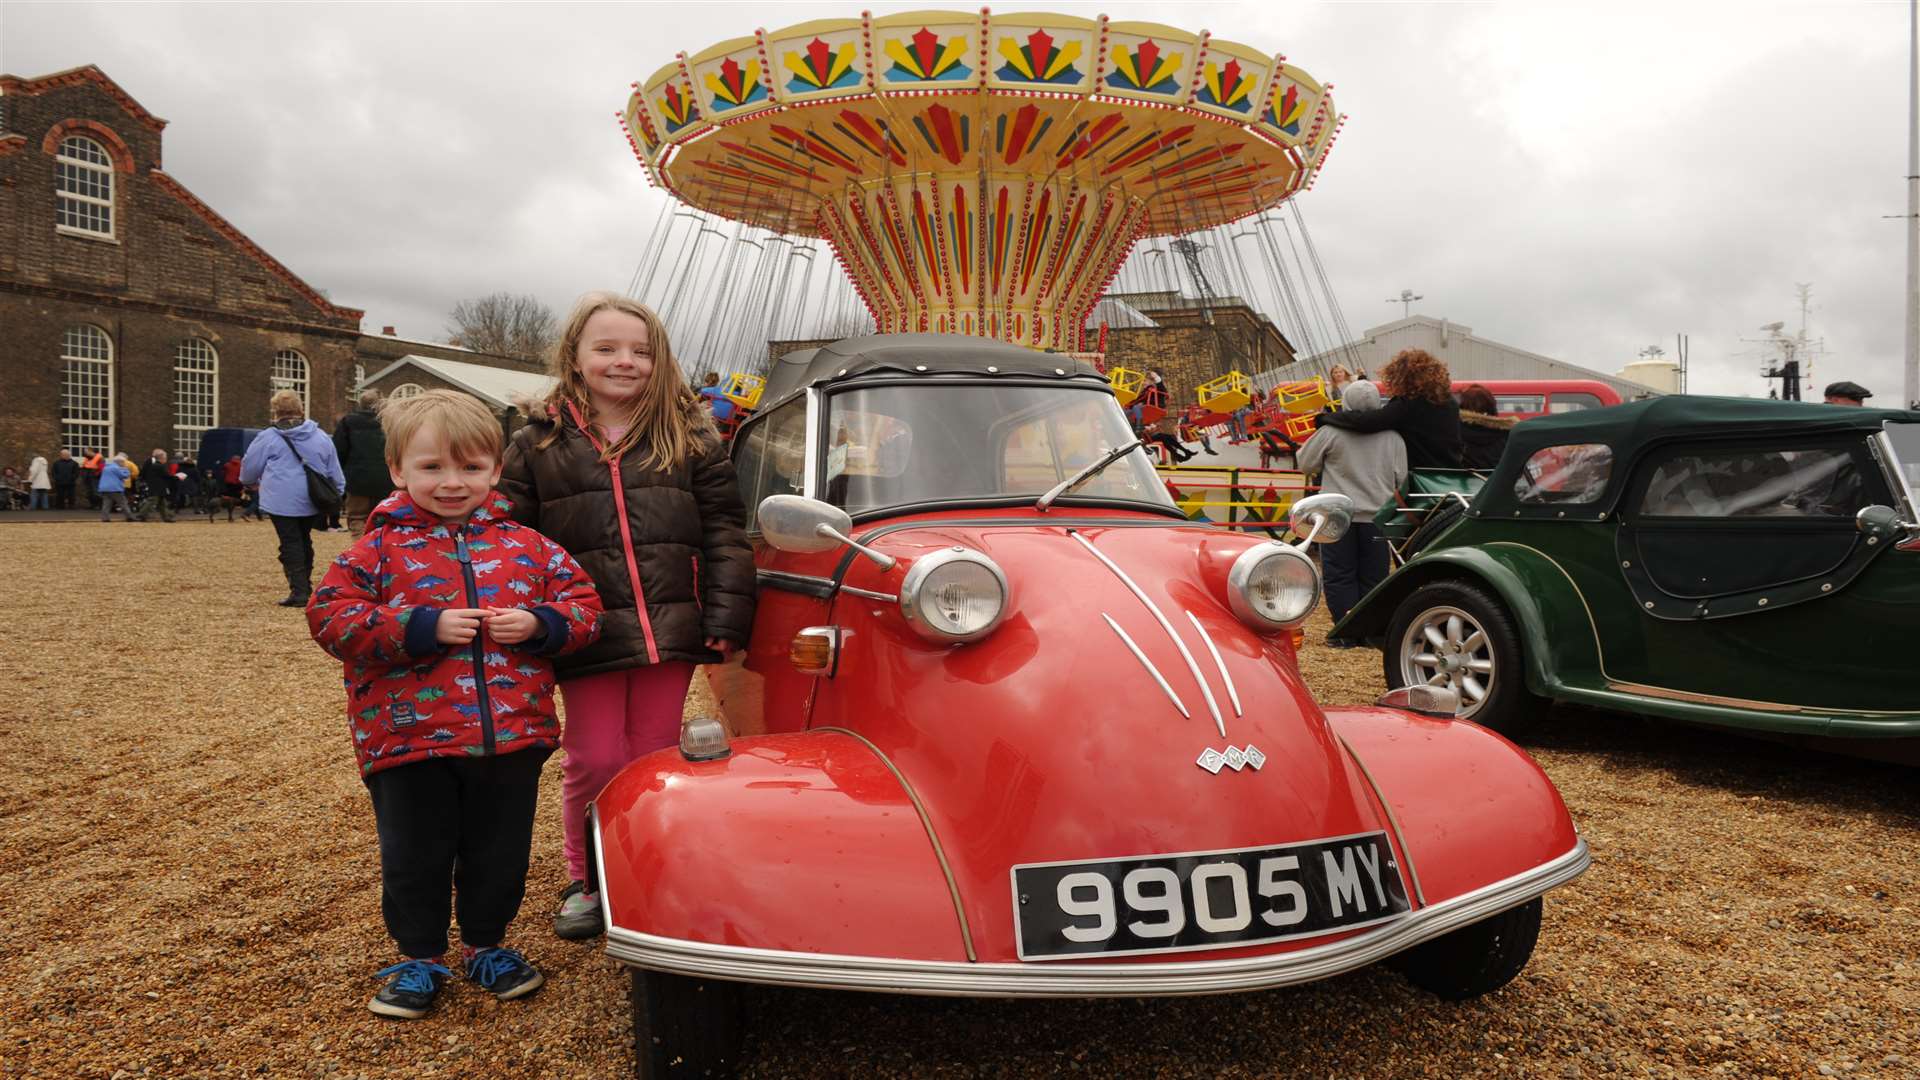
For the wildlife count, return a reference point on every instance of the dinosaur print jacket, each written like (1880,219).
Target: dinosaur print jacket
(409,697)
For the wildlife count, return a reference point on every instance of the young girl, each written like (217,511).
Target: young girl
(622,468)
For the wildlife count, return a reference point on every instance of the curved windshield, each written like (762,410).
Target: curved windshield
(894,445)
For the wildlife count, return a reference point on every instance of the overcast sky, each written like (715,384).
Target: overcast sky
(1580,180)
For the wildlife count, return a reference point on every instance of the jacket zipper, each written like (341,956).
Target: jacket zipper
(697,602)
(626,537)
(478,645)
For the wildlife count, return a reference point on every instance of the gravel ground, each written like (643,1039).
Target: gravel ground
(190,888)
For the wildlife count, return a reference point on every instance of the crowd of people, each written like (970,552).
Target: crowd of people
(158,487)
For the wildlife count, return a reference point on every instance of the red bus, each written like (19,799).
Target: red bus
(1528,398)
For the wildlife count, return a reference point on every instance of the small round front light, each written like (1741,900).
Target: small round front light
(954,595)
(1273,587)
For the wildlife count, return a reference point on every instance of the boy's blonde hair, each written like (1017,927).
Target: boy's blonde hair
(470,428)
(666,416)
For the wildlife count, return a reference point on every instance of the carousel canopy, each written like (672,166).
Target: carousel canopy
(979,174)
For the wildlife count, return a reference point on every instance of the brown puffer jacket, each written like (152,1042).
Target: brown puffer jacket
(686,540)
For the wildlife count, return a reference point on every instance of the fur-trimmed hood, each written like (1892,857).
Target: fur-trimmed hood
(1498,423)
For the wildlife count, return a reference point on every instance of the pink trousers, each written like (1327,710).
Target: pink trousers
(613,718)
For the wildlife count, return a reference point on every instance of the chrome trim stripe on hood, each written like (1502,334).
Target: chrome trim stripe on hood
(1148,664)
(1055,979)
(1206,691)
(1233,695)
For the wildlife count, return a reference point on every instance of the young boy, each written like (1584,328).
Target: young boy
(446,613)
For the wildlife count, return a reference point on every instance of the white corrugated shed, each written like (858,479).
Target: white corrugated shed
(1467,356)
(498,387)
(1117,314)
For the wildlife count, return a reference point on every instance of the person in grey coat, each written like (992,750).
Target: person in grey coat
(1367,468)
(274,461)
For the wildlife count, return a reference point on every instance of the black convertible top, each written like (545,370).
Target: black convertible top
(915,354)
(1627,430)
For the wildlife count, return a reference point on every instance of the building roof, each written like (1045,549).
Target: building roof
(15,84)
(1472,347)
(1118,314)
(498,387)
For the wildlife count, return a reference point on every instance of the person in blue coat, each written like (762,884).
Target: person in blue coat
(274,461)
(113,488)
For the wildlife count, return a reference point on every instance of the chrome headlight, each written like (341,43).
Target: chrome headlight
(954,595)
(1273,586)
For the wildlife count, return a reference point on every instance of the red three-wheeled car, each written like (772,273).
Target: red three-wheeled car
(1009,725)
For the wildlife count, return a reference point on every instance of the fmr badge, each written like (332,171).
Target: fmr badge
(1231,758)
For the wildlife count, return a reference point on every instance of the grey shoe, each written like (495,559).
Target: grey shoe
(579,915)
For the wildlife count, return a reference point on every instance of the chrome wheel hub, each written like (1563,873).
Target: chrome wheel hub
(1445,646)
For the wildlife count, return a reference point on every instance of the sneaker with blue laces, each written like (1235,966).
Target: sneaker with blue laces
(411,987)
(504,973)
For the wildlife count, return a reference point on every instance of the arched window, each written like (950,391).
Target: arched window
(86,390)
(83,187)
(196,394)
(290,373)
(406,390)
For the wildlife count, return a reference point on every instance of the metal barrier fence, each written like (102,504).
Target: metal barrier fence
(1236,497)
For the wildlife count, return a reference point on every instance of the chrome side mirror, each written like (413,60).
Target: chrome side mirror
(1882,523)
(1425,700)
(797,523)
(1321,518)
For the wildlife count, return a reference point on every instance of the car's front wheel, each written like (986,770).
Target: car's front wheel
(1476,959)
(1453,634)
(684,1026)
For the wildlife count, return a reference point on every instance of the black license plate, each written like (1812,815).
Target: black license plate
(1205,899)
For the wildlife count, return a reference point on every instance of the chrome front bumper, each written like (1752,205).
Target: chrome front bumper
(1056,979)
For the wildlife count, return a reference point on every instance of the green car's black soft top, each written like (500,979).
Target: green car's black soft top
(917,355)
(1629,430)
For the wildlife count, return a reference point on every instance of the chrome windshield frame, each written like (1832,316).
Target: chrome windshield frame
(819,418)
(1894,469)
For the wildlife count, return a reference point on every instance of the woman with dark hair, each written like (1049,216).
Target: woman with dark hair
(1483,431)
(1422,411)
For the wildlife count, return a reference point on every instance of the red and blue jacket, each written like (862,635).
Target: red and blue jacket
(378,608)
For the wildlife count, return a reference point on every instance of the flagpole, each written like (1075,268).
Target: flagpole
(1913,206)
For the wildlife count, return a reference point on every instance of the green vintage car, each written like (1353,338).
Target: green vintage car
(1754,564)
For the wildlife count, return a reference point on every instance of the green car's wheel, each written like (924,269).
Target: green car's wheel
(684,1026)
(1476,959)
(1456,635)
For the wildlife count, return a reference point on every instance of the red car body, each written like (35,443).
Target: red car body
(871,825)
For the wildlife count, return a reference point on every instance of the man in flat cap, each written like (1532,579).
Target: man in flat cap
(1847,393)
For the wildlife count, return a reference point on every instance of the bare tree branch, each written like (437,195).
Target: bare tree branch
(504,324)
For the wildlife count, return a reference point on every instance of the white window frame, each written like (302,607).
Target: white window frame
(73,352)
(278,381)
(194,358)
(62,196)
(358,384)
(406,390)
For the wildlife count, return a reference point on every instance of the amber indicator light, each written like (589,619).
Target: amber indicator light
(812,650)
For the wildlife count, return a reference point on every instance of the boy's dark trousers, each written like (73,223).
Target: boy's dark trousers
(464,823)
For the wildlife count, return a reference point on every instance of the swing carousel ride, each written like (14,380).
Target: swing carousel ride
(971,173)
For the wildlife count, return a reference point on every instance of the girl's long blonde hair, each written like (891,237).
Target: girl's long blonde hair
(666,415)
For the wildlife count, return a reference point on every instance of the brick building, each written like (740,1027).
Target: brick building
(1190,343)
(132,315)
